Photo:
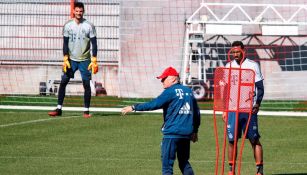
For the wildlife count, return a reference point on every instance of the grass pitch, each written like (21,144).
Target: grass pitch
(33,143)
(115,102)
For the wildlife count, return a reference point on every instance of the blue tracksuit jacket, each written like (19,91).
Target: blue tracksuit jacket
(180,111)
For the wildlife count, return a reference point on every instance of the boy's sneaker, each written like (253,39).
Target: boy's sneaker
(259,174)
(56,112)
(87,114)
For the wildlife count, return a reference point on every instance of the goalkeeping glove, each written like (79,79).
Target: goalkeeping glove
(93,66)
(66,63)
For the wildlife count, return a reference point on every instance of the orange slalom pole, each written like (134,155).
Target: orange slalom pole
(242,144)
(72,8)
(224,142)
(237,123)
(237,119)
(217,147)
(219,106)
(234,154)
(237,109)
(226,120)
(246,130)
(249,116)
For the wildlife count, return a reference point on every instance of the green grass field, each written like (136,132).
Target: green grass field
(107,143)
(115,102)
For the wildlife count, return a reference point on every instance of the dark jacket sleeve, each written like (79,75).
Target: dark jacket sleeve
(196,116)
(260,91)
(65,46)
(94,46)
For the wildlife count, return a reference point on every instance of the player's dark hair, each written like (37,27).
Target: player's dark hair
(238,43)
(79,5)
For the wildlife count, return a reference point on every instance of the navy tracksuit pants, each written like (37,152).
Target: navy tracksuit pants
(169,148)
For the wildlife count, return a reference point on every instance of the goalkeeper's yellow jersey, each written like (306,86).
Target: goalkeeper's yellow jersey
(79,38)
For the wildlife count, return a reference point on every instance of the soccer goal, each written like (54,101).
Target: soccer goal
(137,40)
(31,50)
(274,36)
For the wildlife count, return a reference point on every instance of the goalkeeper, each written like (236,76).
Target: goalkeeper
(79,35)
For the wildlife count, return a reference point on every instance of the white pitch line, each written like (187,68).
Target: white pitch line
(34,121)
(210,112)
(27,97)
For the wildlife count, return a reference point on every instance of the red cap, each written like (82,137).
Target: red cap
(170,71)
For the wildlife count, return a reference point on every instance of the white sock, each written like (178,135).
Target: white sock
(86,109)
(59,106)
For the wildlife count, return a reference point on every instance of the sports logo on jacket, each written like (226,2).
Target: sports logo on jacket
(185,109)
(179,92)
